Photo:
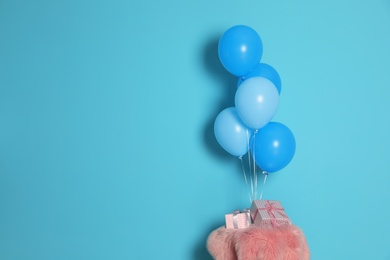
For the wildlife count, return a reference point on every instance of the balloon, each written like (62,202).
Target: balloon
(273,147)
(256,102)
(265,71)
(240,50)
(231,133)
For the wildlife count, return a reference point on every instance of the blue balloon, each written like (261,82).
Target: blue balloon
(265,71)
(240,49)
(231,133)
(256,102)
(273,147)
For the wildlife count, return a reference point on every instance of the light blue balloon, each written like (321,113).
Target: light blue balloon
(240,49)
(231,133)
(265,71)
(256,102)
(273,147)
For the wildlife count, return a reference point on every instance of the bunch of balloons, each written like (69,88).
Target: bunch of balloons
(247,127)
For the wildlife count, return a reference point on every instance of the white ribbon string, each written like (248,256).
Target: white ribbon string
(250,165)
(246,180)
(265,179)
(254,165)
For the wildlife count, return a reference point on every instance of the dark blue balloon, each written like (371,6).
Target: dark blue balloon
(265,71)
(240,50)
(273,147)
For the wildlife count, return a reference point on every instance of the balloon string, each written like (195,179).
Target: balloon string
(265,179)
(249,163)
(246,181)
(254,165)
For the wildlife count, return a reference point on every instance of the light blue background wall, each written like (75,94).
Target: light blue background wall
(106,112)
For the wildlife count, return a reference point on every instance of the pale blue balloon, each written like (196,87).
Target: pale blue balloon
(256,101)
(231,133)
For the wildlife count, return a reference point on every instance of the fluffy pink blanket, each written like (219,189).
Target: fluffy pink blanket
(256,243)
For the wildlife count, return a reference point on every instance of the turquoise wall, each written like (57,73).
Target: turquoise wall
(107,108)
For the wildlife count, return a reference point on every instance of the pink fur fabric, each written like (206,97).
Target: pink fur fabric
(257,243)
(221,244)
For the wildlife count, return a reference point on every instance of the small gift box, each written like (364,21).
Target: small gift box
(268,213)
(238,219)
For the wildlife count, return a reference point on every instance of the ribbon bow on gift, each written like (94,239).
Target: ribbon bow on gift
(248,217)
(271,209)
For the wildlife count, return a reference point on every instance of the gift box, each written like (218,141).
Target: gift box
(238,219)
(268,213)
